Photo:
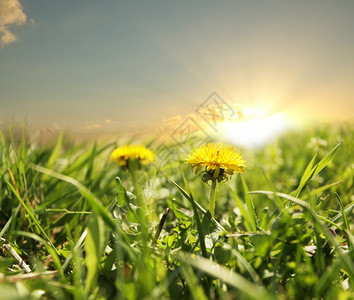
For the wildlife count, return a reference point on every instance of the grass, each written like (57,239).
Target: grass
(73,225)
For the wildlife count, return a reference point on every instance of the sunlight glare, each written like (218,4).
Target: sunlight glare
(254,129)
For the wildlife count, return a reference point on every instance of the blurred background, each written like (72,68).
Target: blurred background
(127,67)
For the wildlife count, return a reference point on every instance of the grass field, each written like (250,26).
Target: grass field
(74,225)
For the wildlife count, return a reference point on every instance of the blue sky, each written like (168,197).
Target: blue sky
(136,63)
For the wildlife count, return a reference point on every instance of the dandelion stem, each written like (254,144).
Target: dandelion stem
(212,198)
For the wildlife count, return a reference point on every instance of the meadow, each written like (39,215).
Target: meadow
(75,225)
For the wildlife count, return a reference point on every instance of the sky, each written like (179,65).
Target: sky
(133,64)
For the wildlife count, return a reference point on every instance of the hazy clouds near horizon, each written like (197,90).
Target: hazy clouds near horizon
(137,63)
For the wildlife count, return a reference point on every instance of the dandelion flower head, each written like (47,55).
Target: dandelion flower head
(220,161)
(123,155)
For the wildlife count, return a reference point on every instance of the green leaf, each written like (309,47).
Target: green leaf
(178,213)
(171,239)
(211,231)
(261,244)
(124,197)
(206,222)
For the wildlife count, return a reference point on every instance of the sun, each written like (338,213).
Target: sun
(253,128)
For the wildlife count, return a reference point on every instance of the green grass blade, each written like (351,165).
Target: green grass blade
(78,244)
(32,217)
(91,198)
(311,172)
(324,161)
(347,262)
(227,275)
(350,239)
(306,176)
(197,219)
(257,280)
(250,205)
(345,220)
(89,172)
(326,277)
(319,190)
(8,223)
(52,251)
(330,222)
(243,211)
(94,247)
(194,285)
(55,152)
(348,210)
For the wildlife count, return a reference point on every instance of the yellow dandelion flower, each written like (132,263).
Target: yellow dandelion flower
(218,159)
(125,154)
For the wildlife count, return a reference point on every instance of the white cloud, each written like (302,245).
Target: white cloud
(11,14)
